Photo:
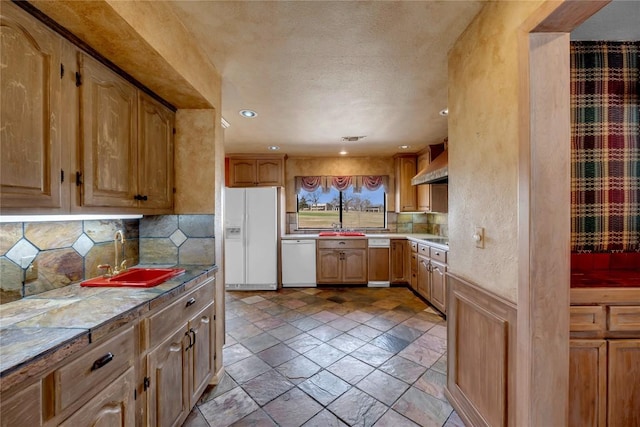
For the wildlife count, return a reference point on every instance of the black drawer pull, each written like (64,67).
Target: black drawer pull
(342,243)
(102,361)
(437,253)
(191,302)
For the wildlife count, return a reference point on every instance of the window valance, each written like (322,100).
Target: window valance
(341,183)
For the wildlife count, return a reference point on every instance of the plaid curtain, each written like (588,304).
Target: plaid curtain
(605,185)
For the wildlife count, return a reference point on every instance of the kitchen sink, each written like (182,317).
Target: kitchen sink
(135,277)
(340,234)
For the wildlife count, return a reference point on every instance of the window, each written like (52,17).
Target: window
(366,209)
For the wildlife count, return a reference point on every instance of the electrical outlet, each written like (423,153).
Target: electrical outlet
(31,273)
(478,236)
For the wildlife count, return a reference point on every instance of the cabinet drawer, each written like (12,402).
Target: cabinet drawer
(423,250)
(342,244)
(439,255)
(624,318)
(169,318)
(586,318)
(89,373)
(414,246)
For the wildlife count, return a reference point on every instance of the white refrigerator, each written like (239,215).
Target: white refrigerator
(251,238)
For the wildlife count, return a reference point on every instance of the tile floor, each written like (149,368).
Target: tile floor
(330,357)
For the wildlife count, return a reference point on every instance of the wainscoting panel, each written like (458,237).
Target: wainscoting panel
(482,349)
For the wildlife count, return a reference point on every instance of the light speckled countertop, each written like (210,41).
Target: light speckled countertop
(431,239)
(42,329)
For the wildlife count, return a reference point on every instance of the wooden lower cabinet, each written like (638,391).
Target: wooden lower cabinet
(623,390)
(201,367)
(378,265)
(22,408)
(342,262)
(424,277)
(400,268)
(587,383)
(113,406)
(438,291)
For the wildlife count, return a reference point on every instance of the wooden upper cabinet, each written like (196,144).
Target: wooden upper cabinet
(432,197)
(155,154)
(30,144)
(255,171)
(406,196)
(424,190)
(108,150)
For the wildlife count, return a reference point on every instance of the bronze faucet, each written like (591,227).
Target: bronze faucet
(117,267)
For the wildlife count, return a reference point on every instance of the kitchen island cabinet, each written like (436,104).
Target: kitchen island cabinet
(341,261)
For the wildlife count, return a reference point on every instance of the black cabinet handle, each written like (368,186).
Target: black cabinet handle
(102,361)
(190,343)
(144,198)
(190,302)
(194,336)
(342,243)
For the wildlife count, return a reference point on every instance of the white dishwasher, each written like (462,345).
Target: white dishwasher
(298,263)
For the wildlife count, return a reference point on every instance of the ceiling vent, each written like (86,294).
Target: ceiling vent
(352,138)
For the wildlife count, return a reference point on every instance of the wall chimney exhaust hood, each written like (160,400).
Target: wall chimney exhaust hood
(436,172)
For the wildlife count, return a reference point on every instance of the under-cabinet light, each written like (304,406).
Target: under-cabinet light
(51,218)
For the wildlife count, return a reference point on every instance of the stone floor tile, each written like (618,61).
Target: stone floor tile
(403,369)
(350,369)
(298,369)
(381,323)
(294,303)
(389,342)
(245,332)
(346,343)
(285,332)
(441,365)
(343,324)
(246,369)
(229,340)
(276,309)
(324,387)
(324,419)
(393,419)
(225,384)
(372,355)
(252,300)
(306,323)
(432,383)
(432,342)
(324,355)
(359,316)
(439,331)
(454,420)
(422,408)
(257,418)
(324,332)
(234,353)
(387,304)
(236,323)
(364,332)
(195,419)
(405,332)
(292,409)
(292,315)
(325,316)
(270,322)
(383,387)
(266,387)
(303,343)
(419,354)
(357,408)
(277,355)
(418,323)
(228,408)
(260,342)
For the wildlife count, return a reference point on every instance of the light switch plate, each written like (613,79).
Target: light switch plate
(478,236)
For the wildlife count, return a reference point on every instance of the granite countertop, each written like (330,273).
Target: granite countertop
(431,239)
(42,329)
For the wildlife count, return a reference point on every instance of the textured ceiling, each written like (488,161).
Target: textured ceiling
(316,71)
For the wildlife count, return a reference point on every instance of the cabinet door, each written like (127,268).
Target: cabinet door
(22,408)
(269,172)
(242,173)
(30,176)
(108,119)
(378,265)
(439,198)
(424,277)
(413,280)
(423,190)
(399,261)
(112,407)
(328,266)
(587,383)
(155,154)
(624,383)
(405,192)
(168,399)
(438,290)
(354,266)
(201,353)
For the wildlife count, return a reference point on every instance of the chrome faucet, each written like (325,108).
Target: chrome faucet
(118,267)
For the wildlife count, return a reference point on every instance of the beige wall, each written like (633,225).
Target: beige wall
(308,166)
(483,147)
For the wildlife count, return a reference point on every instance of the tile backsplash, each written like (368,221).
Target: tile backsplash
(62,252)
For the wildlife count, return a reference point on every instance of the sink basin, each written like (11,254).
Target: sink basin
(340,233)
(136,277)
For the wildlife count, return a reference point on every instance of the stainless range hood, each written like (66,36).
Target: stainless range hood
(436,172)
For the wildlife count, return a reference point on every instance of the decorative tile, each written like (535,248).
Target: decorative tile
(228,408)
(422,408)
(266,387)
(197,251)
(10,281)
(324,387)
(101,231)
(10,234)
(357,408)
(101,253)
(292,409)
(53,235)
(383,387)
(20,250)
(158,251)
(197,225)
(158,226)
(178,237)
(83,244)
(56,268)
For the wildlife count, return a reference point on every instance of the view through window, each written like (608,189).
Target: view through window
(366,209)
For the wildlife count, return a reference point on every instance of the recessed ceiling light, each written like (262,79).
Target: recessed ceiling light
(343,152)
(403,147)
(444,113)
(273,148)
(248,113)
(352,138)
